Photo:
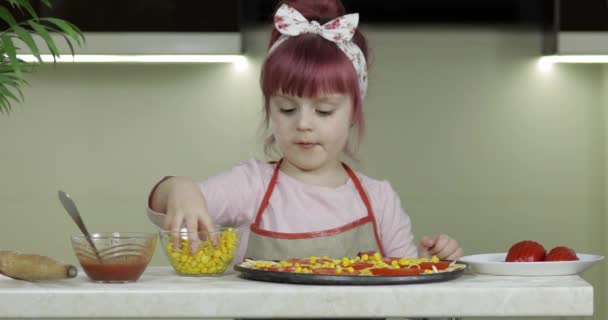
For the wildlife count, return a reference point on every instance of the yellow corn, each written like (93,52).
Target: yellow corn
(345,262)
(377,256)
(207,259)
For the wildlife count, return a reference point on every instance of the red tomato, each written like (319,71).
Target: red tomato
(561,253)
(303,262)
(441,265)
(361,265)
(323,270)
(389,260)
(526,251)
(395,272)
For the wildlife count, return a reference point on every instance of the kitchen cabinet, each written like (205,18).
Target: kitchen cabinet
(576,15)
(146,15)
(576,28)
(144,27)
(425,12)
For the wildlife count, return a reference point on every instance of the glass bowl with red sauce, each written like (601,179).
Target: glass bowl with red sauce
(124,255)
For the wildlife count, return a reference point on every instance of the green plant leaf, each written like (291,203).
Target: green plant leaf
(71,30)
(24,4)
(5,107)
(12,69)
(48,40)
(14,82)
(7,17)
(6,92)
(66,37)
(24,35)
(46,3)
(69,43)
(11,52)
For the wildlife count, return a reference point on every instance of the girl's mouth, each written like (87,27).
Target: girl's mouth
(306,145)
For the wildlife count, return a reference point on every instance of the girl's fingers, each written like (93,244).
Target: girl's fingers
(427,242)
(206,224)
(424,245)
(193,237)
(440,242)
(423,253)
(450,248)
(456,255)
(175,227)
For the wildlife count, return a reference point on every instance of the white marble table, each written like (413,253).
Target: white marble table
(161,293)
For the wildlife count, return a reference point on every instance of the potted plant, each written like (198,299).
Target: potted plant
(22,33)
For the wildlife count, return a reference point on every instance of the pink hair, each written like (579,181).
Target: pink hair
(309,65)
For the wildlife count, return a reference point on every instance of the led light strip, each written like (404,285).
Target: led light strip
(574,59)
(237,59)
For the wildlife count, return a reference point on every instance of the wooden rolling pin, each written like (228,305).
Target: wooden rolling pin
(33,267)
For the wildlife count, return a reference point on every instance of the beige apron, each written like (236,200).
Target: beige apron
(357,236)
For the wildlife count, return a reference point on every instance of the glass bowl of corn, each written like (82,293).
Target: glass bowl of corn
(201,254)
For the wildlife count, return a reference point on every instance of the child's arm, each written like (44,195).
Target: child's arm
(227,199)
(397,236)
(183,202)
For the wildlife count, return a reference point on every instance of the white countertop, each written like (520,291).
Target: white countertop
(162,293)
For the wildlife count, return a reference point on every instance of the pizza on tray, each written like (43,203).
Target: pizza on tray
(364,264)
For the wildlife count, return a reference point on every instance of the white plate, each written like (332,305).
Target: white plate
(494,264)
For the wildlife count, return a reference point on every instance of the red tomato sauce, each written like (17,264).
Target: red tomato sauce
(123,269)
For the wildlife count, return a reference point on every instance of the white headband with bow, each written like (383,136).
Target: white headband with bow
(290,23)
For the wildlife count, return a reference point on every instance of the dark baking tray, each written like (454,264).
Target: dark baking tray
(307,278)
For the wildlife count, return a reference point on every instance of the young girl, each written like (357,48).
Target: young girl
(308,203)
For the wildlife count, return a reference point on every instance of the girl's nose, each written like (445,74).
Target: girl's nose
(304,120)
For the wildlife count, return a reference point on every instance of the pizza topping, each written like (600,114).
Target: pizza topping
(364,264)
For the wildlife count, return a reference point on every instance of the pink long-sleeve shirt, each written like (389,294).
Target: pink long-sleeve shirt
(234,197)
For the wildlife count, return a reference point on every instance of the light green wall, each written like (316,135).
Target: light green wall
(478,142)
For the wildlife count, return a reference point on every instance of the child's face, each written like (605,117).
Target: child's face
(311,132)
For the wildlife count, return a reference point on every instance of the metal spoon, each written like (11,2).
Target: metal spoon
(70,207)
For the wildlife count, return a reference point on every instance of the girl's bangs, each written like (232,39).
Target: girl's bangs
(295,71)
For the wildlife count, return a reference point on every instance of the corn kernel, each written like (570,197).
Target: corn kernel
(345,262)
(207,258)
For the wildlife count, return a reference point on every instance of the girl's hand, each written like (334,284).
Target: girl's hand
(442,246)
(183,203)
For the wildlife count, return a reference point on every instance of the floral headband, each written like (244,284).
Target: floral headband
(290,23)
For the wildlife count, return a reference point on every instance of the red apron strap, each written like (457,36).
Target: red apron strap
(264,204)
(352,175)
(370,211)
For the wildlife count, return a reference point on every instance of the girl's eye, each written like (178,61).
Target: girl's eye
(324,113)
(287,110)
